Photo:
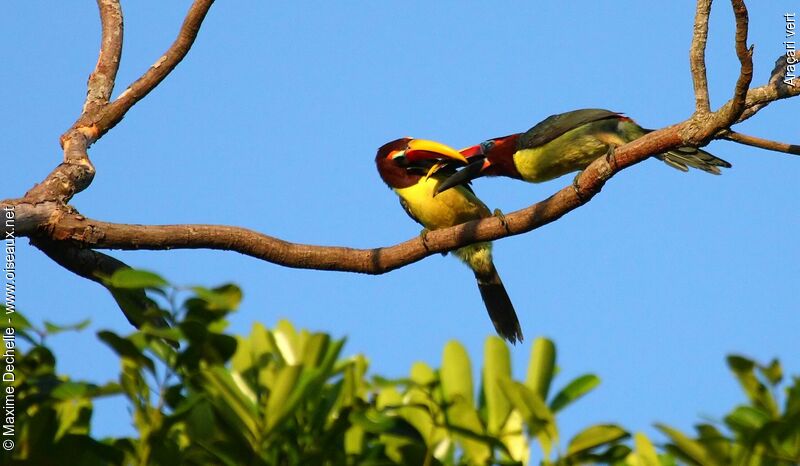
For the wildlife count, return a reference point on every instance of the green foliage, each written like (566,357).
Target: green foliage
(280,396)
(759,433)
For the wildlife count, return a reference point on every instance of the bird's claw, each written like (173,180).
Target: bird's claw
(576,186)
(610,159)
(501,216)
(423,235)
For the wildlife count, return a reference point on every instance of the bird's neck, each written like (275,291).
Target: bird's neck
(501,158)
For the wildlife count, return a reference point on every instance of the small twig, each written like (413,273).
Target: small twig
(762,143)
(112,114)
(775,84)
(697,57)
(101,81)
(745,55)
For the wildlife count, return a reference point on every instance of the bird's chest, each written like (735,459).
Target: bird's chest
(454,206)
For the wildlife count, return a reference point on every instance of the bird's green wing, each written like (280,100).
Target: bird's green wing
(556,125)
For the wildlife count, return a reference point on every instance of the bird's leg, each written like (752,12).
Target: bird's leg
(501,216)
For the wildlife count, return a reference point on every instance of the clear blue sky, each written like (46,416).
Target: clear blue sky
(272,123)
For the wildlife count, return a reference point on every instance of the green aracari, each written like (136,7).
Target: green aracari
(566,143)
(413,169)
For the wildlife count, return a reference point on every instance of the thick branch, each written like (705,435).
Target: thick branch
(101,81)
(697,57)
(762,143)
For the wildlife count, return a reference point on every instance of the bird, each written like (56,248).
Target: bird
(413,168)
(565,143)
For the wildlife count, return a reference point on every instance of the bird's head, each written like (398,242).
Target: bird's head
(402,162)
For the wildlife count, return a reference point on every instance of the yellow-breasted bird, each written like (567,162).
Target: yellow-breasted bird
(565,143)
(412,168)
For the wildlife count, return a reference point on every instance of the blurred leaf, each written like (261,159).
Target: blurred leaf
(279,396)
(456,374)
(496,365)
(230,402)
(53,329)
(745,418)
(135,279)
(687,448)
(773,372)
(758,393)
(286,340)
(537,416)
(645,452)
(595,436)
(464,420)
(716,444)
(574,390)
(541,367)
(72,413)
(422,374)
(126,349)
(222,298)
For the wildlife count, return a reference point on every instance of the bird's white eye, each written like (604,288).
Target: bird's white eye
(399,156)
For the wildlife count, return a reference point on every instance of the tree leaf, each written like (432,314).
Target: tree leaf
(456,374)
(758,393)
(574,390)
(541,367)
(135,279)
(645,451)
(593,437)
(688,449)
(53,329)
(496,365)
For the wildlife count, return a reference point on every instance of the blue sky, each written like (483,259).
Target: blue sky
(272,123)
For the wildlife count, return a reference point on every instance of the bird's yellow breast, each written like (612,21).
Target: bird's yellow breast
(452,207)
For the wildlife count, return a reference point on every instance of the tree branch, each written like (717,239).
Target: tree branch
(102,79)
(697,57)
(745,55)
(762,143)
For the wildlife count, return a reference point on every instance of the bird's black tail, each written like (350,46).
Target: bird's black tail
(497,302)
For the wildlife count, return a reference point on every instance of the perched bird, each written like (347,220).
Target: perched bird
(413,169)
(565,143)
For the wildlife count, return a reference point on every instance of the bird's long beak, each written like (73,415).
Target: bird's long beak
(423,149)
